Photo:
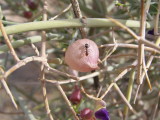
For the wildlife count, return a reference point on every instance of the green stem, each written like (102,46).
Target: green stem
(9,22)
(70,23)
(29,40)
(129,92)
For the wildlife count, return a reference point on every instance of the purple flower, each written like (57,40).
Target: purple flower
(102,114)
(151,32)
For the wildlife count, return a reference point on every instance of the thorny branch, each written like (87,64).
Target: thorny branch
(7,88)
(43,55)
(15,58)
(141,56)
(67,101)
(8,42)
(78,14)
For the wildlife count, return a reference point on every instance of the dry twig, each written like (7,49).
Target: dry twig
(8,43)
(89,96)
(22,63)
(79,78)
(43,54)
(111,51)
(141,57)
(67,101)
(15,58)
(120,93)
(78,14)
(133,46)
(65,10)
(35,49)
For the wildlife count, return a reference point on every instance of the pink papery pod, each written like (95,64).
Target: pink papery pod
(82,55)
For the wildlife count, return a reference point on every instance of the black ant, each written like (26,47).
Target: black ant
(86,49)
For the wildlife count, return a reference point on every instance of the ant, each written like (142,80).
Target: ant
(86,49)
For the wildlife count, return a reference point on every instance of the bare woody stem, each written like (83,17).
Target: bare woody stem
(8,42)
(16,60)
(140,44)
(78,14)
(131,46)
(146,42)
(9,93)
(43,55)
(22,63)
(65,10)
(157,20)
(120,93)
(75,80)
(141,56)
(67,101)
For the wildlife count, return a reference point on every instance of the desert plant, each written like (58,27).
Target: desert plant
(126,80)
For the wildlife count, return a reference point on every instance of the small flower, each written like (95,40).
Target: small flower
(76,95)
(102,114)
(151,32)
(87,114)
(32,5)
(100,104)
(27,14)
